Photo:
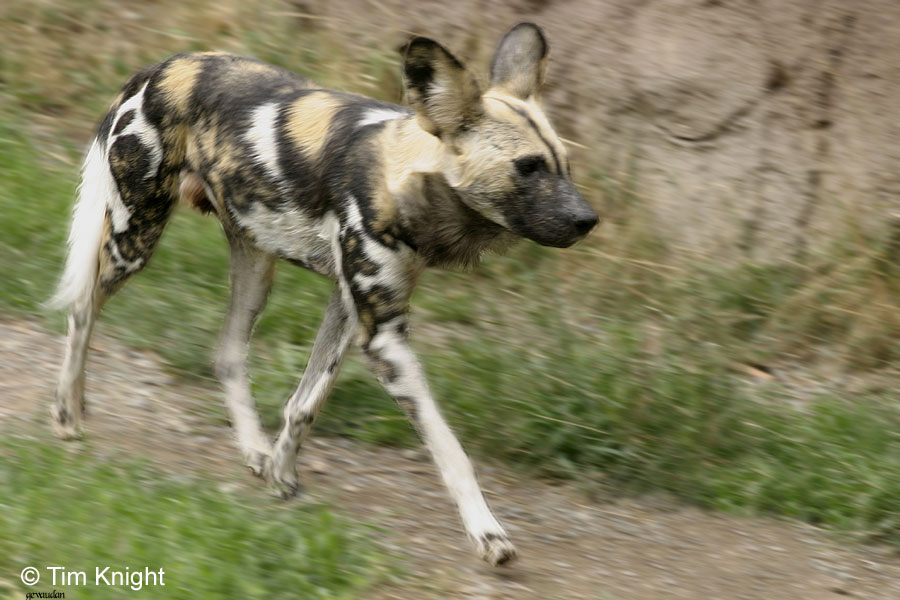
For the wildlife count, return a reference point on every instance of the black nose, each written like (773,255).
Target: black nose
(584,223)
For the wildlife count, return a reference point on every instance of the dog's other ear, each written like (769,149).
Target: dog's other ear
(440,89)
(519,64)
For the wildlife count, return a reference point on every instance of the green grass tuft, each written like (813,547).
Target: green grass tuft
(69,509)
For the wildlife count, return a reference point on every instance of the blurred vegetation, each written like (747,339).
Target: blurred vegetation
(621,360)
(69,510)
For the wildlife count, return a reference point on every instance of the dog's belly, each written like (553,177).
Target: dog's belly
(292,235)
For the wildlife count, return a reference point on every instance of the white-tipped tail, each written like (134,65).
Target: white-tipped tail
(96,192)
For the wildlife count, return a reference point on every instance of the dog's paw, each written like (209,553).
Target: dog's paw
(258,462)
(282,476)
(496,549)
(286,487)
(65,425)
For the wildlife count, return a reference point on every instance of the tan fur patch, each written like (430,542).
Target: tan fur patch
(249,66)
(214,179)
(175,139)
(229,157)
(309,119)
(178,82)
(104,262)
(206,143)
(499,105)
(118,100)
(385,207)
(106,267)
(406,149)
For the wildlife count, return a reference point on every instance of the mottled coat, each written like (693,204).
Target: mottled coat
(364,192)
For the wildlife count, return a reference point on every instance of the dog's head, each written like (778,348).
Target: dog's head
(507,162)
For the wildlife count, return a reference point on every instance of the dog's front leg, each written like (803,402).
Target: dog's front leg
(301,409)
(390,356)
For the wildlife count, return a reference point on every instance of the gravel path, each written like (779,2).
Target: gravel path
(571,547)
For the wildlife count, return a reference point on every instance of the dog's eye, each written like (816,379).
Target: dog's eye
(528,165)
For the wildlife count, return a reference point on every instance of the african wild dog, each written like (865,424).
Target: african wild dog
(364,192)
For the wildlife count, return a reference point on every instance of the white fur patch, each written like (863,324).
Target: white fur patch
(96,192)
(261,137)
(354,217)
(291,234)
(139,126)
(331,233)
(378,115)
(391,347)
(398,268)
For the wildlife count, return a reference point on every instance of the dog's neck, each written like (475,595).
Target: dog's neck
(444,230)
(431,214)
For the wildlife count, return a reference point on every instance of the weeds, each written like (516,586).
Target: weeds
(73,511)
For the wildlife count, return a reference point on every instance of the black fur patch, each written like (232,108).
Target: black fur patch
(106,126)
(62,415)
(445,231)
(355,259)
(419,74)
(123,122)
(130,163)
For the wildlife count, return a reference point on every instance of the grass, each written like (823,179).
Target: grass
(68,509)
(653,422)
(609,362)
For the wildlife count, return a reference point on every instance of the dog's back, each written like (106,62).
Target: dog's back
(186,128)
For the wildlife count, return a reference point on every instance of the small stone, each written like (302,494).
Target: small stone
(138,402)
(179,426)
(319,466)
(413,454)
(228,488)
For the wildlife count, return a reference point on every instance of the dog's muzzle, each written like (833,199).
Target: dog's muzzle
(571,220)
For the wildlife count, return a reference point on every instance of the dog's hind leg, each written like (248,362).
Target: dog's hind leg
(301,409)
(114,231)
(69,406)
(251,278)
(78,288)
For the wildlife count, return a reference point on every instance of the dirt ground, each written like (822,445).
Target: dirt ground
(571,547)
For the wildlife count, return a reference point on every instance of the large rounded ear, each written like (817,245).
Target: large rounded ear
(520,62)
(440,89)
